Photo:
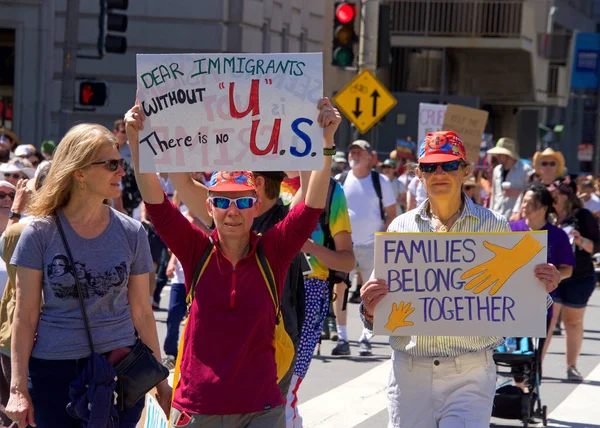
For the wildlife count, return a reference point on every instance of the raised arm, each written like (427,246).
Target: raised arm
(192,194)
(148,183)
(329,119)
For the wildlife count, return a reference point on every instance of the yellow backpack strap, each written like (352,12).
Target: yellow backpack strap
(200,267)
(269,278)
(202,263)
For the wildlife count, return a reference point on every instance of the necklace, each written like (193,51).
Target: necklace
(444,227)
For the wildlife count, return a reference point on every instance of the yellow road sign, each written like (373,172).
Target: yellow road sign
(364,101)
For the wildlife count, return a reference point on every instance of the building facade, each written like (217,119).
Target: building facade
(32,37)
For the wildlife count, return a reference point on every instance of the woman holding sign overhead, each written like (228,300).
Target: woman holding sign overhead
(230,363)
(442,381)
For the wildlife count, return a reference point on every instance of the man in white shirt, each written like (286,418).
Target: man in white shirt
(591,201)
(509,179)
(369,213)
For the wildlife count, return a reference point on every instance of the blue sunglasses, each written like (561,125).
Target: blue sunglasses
(223,203)
(446,166)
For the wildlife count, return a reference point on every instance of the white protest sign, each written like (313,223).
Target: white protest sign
(461,284)
(230,112)
(431,118)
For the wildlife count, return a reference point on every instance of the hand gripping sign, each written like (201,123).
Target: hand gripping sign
(461,284)
(230,112)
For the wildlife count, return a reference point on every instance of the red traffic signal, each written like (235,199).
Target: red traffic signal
(345,13)
(92,93)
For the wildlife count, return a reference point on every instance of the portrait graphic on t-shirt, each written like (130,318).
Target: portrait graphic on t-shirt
(62,281)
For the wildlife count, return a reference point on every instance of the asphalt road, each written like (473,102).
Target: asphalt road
(350,391)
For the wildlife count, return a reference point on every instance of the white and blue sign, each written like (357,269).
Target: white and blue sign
(585,64)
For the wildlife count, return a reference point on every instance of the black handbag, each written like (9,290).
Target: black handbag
(139,371)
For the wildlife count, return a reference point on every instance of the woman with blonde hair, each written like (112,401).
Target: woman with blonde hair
(52,345)
(549,165)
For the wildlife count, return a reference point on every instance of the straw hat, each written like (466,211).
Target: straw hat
(11,135)
(550,153)
(505,146)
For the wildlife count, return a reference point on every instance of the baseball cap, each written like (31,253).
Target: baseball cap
(441,146)
(4,183)
(339,157)
(362,144)
(24,150)
(232,181)
(389,162)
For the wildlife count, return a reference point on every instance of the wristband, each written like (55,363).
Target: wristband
(329,152)
(368,317)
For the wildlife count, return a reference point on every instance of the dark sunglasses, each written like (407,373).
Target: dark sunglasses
(4,195)
(446,166)
(223,203)
(14,175)
(546,163)
(111,164)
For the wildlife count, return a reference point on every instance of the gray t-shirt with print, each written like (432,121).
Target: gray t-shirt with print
(103,265)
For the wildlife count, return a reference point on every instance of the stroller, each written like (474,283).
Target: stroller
(524,362)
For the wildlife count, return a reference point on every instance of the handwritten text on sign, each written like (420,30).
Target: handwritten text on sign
(455,284)
(230,112)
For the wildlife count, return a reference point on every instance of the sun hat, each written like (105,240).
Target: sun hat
(4,183)
(8,133)
(441,146)
(18,165)
(232,181)
(505,146)
(550,153)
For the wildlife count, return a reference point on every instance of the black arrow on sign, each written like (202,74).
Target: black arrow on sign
(357,111)
(375,95)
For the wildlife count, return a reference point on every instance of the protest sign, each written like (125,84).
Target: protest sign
(153,415)
(469,123)
(431,118)
(230,112)
(461,284)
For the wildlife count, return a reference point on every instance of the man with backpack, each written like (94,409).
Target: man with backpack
(372,207)
(329,251)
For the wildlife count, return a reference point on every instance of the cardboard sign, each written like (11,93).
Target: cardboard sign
(457,284)
(431,119)
(230,112)
(469,124)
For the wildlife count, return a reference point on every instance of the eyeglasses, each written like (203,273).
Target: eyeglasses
(14,175)
(545,163)
(111,164)
(4,195)
(223,203)
(446,166)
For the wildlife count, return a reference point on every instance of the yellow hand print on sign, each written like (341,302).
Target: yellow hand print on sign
(496,271)
(398,316)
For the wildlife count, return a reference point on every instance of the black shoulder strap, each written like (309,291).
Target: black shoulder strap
(199,267)
(377,186)
(77,284)
(264,264)
(343,177)
(325,216)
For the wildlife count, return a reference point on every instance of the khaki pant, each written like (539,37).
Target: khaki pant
(272,418)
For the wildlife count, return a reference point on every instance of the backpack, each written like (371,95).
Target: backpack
(130,194)
(284,347)
(376,185)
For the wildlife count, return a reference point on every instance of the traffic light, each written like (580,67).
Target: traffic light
(344,36)
(110,21)
(92,93)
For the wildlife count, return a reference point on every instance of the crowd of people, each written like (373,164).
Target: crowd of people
(261,266)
